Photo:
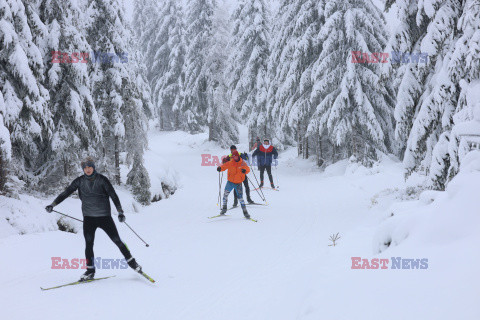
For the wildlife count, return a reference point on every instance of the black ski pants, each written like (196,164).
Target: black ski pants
(269,172)
(90,225)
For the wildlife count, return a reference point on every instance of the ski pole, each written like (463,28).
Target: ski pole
(256,189)
(220,179)
(258,184)
(66,215)
(137,234)
(276,174)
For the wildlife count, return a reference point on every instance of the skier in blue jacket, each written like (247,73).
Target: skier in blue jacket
(266,153)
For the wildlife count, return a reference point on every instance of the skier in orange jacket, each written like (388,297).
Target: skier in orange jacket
(237,169)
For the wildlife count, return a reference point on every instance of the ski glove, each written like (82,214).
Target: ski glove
(121,217)
(243,170)
(219,169)
(49,208)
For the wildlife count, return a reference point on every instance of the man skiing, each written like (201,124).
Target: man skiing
(95,191)
(237,169)
(256,144)
(264,154)
(244,156)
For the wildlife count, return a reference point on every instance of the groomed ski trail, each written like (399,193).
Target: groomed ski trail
(279,268)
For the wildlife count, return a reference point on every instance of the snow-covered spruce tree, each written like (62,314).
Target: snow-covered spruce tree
(139,181)
(353,103)
(145,14)
(116,91)
(199,37)
(5,146)
(168,54)
(247,66)
(139,109)
(408,80)
(434,113)
(23,98)
(77,127)
(222,125)
(294,51)
(462,69)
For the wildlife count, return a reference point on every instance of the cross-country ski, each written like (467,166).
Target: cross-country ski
(75,283)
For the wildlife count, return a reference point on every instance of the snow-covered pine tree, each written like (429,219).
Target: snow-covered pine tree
(461,69)
(145,14)
(199,35)
(277,51)
(294,51)
(116,91)
(408,79)
(353,103)
(139,181)
(23,98)
(5,146)
(77,127)
(247,66)
(138,109)
(222,125)
(168,49)
(434,114)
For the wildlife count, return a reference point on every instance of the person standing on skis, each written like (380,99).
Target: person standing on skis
(244,156)
(237,169)
(256,144)
(95,191)
(265,154)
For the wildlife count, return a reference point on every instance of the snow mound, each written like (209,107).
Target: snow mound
(437,218)
(24,215)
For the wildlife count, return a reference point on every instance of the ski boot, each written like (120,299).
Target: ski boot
(235,202)
(134,265)
(245,212)
(272,185)
(224,209)
(261,184)
(249,200)
(88,275)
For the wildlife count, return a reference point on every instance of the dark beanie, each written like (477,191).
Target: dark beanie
(88,162)
(233,147)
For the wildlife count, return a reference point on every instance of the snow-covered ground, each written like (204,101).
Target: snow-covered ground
(279,268)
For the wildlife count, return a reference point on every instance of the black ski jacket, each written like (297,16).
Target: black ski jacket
(95,192)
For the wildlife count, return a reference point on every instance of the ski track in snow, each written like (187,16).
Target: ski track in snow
(230,268)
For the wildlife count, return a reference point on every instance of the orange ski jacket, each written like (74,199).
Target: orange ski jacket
(235,173)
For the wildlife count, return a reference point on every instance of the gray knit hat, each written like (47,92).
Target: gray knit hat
(88,162)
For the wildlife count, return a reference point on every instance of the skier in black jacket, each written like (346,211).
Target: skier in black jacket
(95,191)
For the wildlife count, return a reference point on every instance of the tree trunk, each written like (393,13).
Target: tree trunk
(160,119)
(210,131)
(299,140)
(65,167)
(117,161)
(251,138)
(3,173)
(320,151)
(306,148)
